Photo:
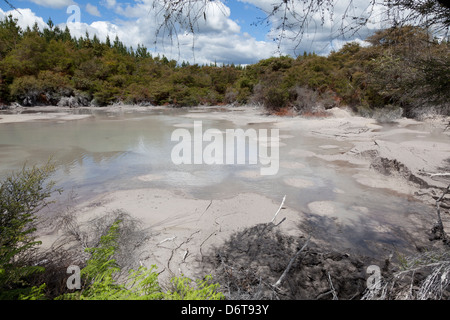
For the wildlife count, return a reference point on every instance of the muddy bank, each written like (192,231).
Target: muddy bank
(406,159)
(193,236)
(41,116)
(61,113)
(182,229)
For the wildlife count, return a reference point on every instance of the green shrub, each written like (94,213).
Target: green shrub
(22,195)
(137,93)
(105,94)
(100,278)
(276,98)
(202,290)
(26,87)
(47,88)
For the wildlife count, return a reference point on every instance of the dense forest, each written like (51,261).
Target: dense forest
(402,67)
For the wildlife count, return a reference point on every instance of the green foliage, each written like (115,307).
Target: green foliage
(27,58)
(47,88)
(101,263)
(203,290)
(35,293)
(408,68)
(22,195)
(403,66)
(101,278)
(275,98)
(10,35)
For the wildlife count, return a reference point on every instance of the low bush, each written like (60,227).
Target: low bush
(48,88)
(388,114)
(275,98)
(22,195)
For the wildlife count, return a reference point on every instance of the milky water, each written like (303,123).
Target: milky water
(132,149)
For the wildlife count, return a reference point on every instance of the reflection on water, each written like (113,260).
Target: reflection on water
(122,150)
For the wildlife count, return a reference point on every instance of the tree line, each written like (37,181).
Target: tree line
(402,67)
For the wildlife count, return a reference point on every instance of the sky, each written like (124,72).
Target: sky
(229,35)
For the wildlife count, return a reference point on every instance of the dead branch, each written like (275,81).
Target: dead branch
(209,205)
(282,220)
(167,239)
(185,254)
(440,225)
(405,285)
(178,247)
(279,209)
(201,244)
(278,283)
(333,291)
(439,174)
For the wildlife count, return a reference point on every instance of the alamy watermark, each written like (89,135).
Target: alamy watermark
(374,280)
(74,281)
(75,12)
(234,146)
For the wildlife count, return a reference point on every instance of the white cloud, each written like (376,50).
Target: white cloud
(53,3)
(26,18)
(322,33)
(109,3)
(93,10)
(218,20)
(218,38)
(233,49)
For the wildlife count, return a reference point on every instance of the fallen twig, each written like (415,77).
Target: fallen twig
(209,205)
(333,291)
(201,244)
(185,254)
(280,222)
(440,225)
(432,175)
(278,283)
(279,209)
(178,247)
(444,174)
(167,239)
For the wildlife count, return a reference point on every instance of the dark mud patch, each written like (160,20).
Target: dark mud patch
(388,167)
(251,261)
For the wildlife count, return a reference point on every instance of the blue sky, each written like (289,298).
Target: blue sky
(229,35)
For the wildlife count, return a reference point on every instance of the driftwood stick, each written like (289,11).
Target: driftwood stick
(438,174)
(278,283)
(201,244)
(443,174)
(185,254)
(167,239)
(282,220)
(438,211)
(209,205)
(333,291)
(279,209)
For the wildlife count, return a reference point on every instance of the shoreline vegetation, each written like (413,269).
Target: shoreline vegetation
(402,77)
(402,71)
